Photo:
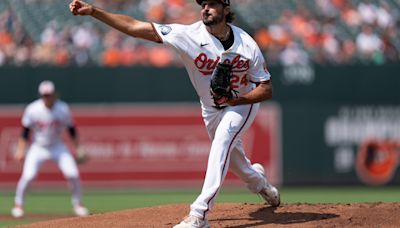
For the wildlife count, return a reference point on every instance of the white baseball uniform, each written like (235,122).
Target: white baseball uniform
(47,143)
(200,52)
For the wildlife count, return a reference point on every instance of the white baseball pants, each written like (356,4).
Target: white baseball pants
(35,157)
(225,128)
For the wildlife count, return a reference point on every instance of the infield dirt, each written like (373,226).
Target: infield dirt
(244,215)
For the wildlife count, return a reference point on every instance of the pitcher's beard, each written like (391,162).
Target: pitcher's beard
(213,20)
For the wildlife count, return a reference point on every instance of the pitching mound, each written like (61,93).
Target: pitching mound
(245,215)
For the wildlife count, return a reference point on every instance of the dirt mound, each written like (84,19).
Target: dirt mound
(245,215)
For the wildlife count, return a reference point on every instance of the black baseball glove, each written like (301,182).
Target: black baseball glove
(220,86)
(81,156)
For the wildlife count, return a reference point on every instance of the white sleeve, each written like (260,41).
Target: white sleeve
(26,120)
(68,121)
(173,35)
(258,71)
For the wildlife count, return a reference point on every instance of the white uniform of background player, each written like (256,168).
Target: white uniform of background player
(47,117)
(201,46)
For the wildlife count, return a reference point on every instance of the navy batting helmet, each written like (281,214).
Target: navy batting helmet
(225,2)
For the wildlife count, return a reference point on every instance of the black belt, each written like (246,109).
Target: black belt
(219,107)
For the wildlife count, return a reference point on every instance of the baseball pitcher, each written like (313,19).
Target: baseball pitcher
(229,74)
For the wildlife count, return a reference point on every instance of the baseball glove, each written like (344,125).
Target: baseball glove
(220,86)
(81,156)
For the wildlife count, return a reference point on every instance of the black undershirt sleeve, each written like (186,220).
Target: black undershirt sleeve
(72,131)
(25,133)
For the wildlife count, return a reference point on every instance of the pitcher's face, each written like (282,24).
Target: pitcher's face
(212,12)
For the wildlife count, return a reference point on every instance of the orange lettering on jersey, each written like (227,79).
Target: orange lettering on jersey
(200,61)
(207,65)
(43,124)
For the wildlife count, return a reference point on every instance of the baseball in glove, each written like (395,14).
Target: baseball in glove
(81,156)
(220,86)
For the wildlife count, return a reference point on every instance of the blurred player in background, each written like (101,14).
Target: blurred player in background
(46,118)
(201,46)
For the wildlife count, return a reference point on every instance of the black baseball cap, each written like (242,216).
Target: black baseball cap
(225,2)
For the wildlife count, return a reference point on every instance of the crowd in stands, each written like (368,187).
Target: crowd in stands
(334,32)
(340,32)
(88,43)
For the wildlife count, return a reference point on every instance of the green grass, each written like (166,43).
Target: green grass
(58,202)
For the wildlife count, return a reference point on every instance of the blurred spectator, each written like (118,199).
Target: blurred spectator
(294,55)
(128,53)
(49,36)
(389,49)
(111,57)
(327,8)
(330,46)
(263,38)
(111,44)
(351,16)
(368,43)
(5,37)
(367,12)
(384,17)
(21,56)
(160,57)
(84,36)
(156,12)
(348,51)
(279,35)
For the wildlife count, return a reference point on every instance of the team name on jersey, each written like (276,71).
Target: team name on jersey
(40,125)
(206,65)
